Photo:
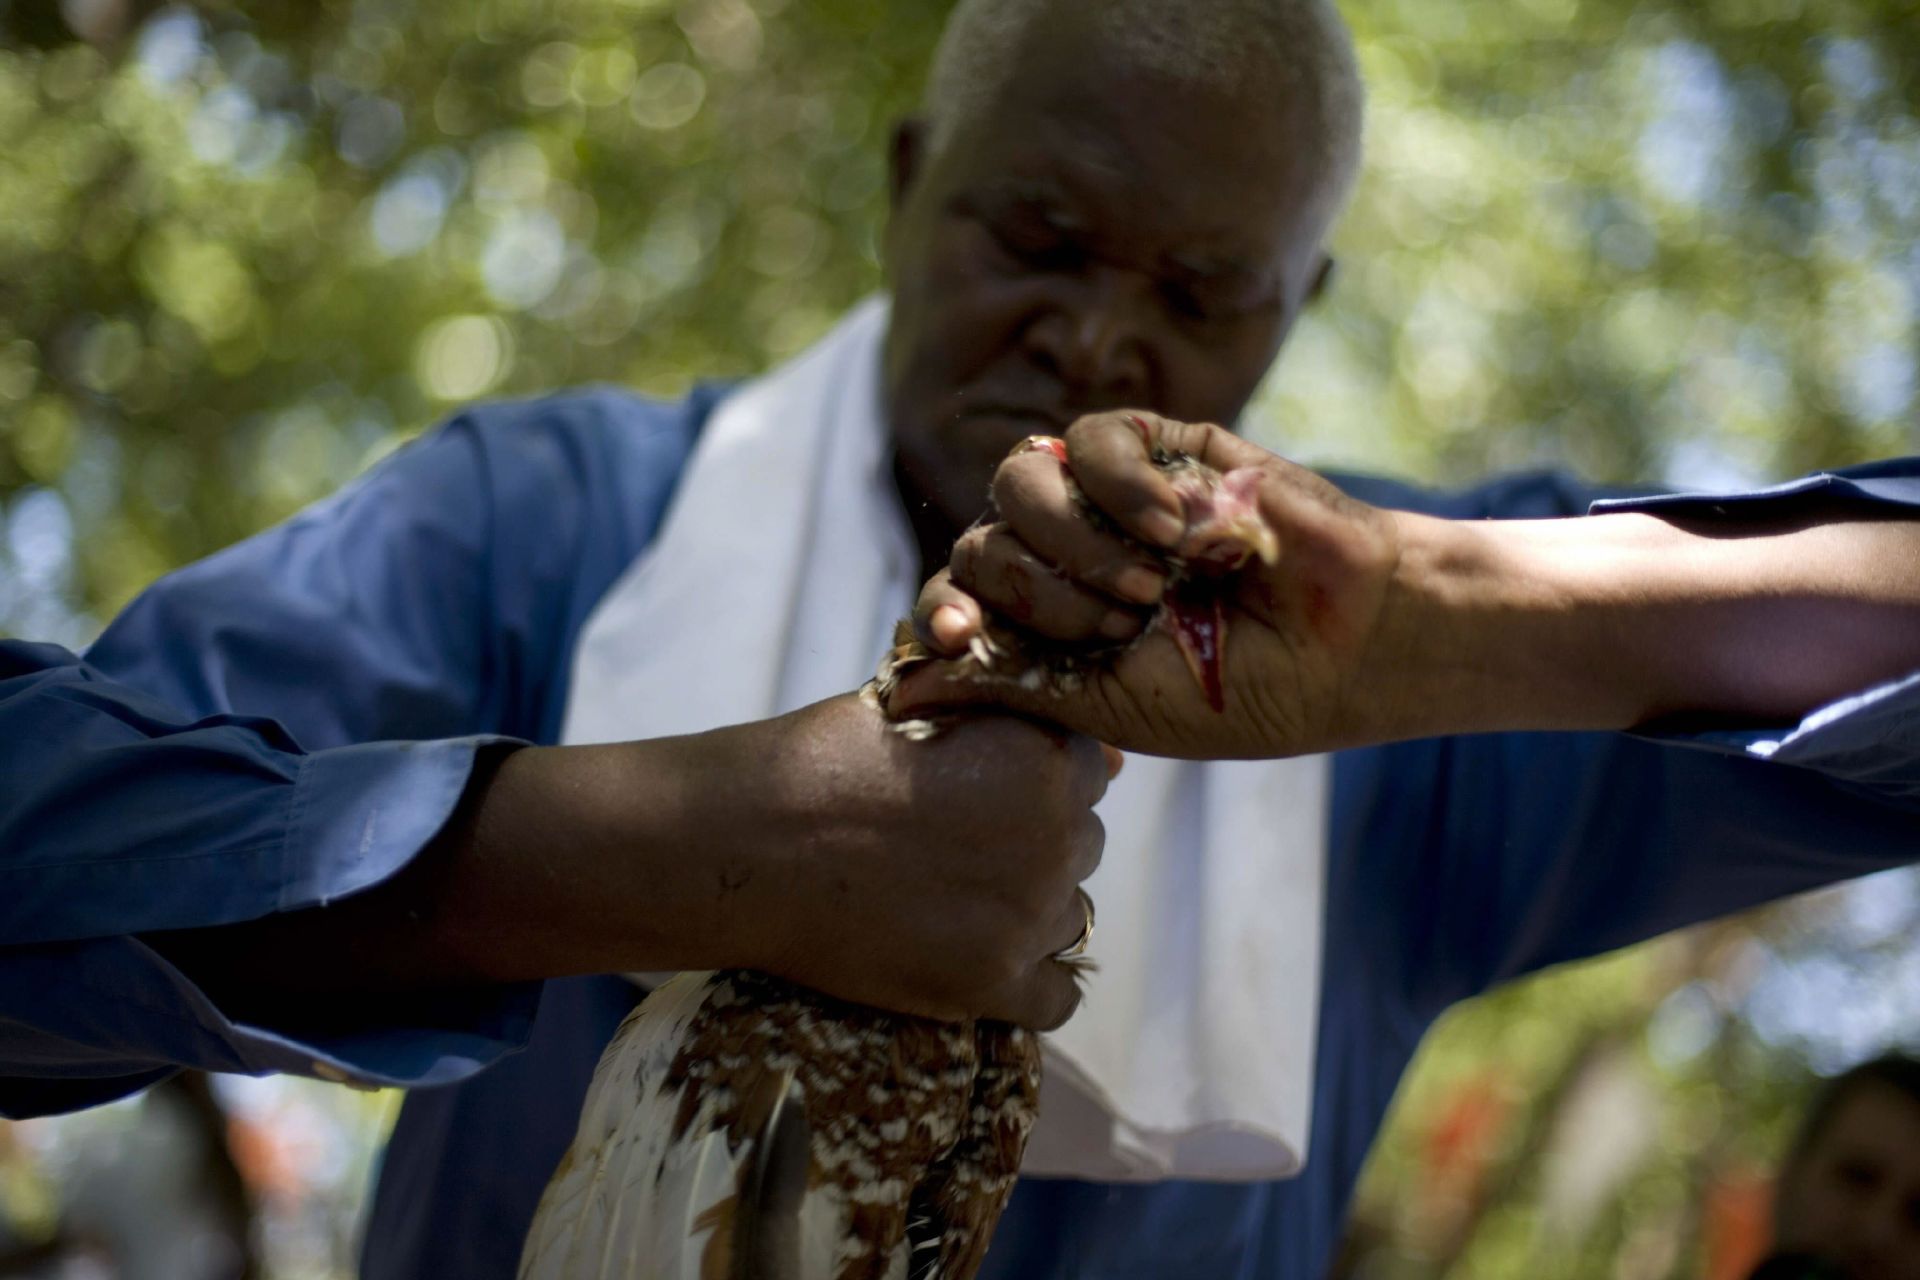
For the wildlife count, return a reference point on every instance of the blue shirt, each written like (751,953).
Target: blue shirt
(289,721)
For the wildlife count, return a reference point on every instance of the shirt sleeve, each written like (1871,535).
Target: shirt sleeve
(286,723)
(1550,847)
(1870,738)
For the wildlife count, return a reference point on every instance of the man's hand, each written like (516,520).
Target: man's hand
(934,877)
(1373,625)
(1299,633)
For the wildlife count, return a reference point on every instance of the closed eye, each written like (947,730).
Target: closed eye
(1205,304)
(1037,246)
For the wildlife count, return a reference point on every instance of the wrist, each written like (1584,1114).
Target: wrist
(609,858)
(699,847)
(1494,625)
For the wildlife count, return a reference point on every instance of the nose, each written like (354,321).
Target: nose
(1096,337)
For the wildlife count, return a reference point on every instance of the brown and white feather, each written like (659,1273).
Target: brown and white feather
(913,1134)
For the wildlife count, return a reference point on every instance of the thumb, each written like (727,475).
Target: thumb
(950,684)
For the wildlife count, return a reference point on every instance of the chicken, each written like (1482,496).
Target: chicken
(1225,530)
(739,1127)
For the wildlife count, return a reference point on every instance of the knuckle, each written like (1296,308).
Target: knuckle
(1006,743)
(967,549)
(1022,479)
(939,588)
(1064,1002)
(1088,760)
(1050,870)
(1103,420)
(1093,844)
(1011,462)
(1065,617)
(1000,966)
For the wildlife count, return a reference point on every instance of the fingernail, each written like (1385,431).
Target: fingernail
(950,626)
(1162,526)
(1116,625)
(1043,444)
(1139,583)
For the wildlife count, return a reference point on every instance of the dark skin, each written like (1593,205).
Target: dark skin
(1853,1196)
(1376,625)
(1099,236)
(1097,240)
(1139,241)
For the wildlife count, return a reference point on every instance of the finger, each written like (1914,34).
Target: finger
(947,685)
(1090,844)
(945,618)
(1115,758)
(1036,500)
(1111,456)
(1002,573)
(1072,924)
(1207,442)
(1090,763)
(1044,999)
(937,688)
(1090,769)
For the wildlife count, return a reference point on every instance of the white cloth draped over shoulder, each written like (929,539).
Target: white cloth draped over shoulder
(774,582)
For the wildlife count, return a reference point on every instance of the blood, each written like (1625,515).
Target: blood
(1200,629)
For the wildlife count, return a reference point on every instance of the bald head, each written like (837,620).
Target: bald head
(1111,203)
(1296,53)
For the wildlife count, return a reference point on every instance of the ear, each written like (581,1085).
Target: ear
(905,158)
(1322,279)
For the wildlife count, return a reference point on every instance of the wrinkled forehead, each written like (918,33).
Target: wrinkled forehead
(1229,142)
(1226,165)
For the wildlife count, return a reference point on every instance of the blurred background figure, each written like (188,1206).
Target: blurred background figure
(1847,1205)
(151,1193)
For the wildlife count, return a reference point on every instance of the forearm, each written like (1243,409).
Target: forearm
(559,860)
(934,878)
(1606,622)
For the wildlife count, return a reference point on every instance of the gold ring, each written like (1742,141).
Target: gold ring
(1080,944)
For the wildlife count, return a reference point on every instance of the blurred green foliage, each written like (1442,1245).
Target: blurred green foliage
(1622,1119)
(241,252)
(244,249)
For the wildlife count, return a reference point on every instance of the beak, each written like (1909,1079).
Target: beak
(1257,534)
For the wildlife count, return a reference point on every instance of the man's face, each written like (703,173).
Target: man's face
(1099,239)
(1853,1198)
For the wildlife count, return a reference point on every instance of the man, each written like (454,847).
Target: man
(1847,1203)
(1117,205)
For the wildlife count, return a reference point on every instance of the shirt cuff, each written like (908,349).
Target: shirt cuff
(360,813)
(88,1018)
(85,1022)
(1886,484)
(224,831)
(1869,739)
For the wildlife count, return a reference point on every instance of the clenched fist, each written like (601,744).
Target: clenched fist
(1113,551)
(935,877)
